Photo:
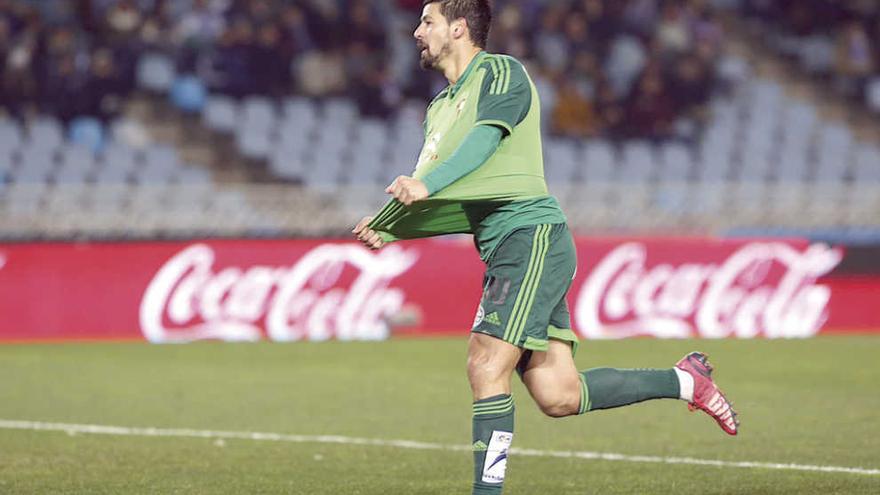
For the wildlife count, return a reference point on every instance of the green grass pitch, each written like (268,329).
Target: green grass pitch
(811,402)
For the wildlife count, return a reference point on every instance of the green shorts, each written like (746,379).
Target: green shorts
(524,288)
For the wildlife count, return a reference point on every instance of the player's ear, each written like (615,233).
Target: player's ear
(458,28)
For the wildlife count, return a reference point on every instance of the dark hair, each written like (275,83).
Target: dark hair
(477,13)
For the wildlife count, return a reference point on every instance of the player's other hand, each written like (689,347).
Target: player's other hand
(407,190)
(366,235)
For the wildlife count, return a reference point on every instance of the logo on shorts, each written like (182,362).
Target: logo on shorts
(493,318)
(479,318)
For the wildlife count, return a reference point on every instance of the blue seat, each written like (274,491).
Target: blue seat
(188,93)
(87,132)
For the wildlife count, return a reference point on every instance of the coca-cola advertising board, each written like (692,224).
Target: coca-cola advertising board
(292,290)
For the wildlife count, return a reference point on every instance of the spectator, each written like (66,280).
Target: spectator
(573,114)
(651,111)
(854,61)
(104,88)
(588,57)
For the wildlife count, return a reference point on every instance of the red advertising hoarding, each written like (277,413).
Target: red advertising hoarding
(290,290)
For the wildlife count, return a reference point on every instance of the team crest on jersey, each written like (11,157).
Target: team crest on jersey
(429,151)
(481,313)
(459,107)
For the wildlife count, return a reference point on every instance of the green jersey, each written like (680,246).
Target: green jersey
(508,190)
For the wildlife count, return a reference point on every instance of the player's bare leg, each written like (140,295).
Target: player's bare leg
(491,362)
(553,380)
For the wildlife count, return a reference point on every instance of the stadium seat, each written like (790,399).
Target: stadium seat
(25,198)
(365,170)
(561,160)
(113,175)
(713,168)
(637,163)
(339,112)
(294,133)
(598,161)
(287,163)
(872,94)
(867,164)
(799,120)
(11,136)
(192,175)
(372,131)
(299,116)
(118,156)
(31,174)
(131,132)
(7,160)
(188,94)
(833,152)
(161,157)
(220,114)
(754,167)
(155,72)
(253,142)
(160,164)
(793,163)
(258,113)
(87,132)
(153,175)
(46,132)
(73,156)
(676,162)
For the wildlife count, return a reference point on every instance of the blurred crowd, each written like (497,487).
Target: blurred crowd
(833,38)
(615,68)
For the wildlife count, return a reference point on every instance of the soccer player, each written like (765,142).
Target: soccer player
(480,171)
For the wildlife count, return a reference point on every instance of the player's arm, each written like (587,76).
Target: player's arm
(504,101)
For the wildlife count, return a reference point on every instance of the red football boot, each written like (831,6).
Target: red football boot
(707,395)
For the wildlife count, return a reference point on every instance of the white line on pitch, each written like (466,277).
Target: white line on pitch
(409,444)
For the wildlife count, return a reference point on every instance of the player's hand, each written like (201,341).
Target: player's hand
(366,235)
(407,190)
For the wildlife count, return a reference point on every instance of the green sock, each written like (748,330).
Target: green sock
(605,388)
(493,432)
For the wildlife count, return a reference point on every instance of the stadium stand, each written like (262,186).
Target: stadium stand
(180,118)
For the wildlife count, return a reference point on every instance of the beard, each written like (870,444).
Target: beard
(432,62)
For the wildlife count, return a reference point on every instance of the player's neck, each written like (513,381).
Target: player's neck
(459,62)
